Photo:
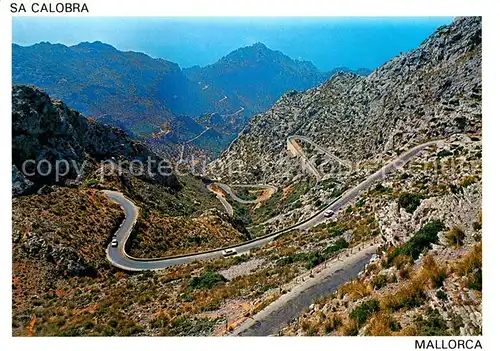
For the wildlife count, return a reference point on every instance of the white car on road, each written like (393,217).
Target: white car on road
(328,213)
(228,252)
(114,243)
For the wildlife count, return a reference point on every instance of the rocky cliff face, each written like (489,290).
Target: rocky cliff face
(46,131)
(430,92)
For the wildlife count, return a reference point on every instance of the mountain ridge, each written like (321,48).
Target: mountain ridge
(140,94)
(432,91)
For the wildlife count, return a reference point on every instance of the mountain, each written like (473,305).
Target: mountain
(250,79)
(431,92)
(127,88)
(157,101)
(254,77)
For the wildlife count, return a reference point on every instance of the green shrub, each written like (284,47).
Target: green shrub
(419,242)
(360,203)
(242,213)
(312,259)
(207,281)
(432,325)
(409,202)
(461,122)
(337,246)
(379,188)
(444,153)
(364,311)
(379,281)
(394,325)
(441,295)
(423,239)
(184,326)
(476,226)
(337,231)
(475,280)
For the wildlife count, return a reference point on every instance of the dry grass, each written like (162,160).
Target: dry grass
(471,268)
(466,181)
(349,328)
(355,290)
(455,237)
(382,324)
(432,273)
(332,323)
(472,260)
(410,295)
(83,219)
(402,261)
(413,293)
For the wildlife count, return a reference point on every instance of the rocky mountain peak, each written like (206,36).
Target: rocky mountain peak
(431,92)
(95,45)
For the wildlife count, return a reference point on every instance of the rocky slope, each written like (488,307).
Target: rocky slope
(46,132)
(62,283)
(430,92)
(427,278)
(415,286)
(442,184)
(62,222)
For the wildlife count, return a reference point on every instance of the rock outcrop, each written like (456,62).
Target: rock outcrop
(46,134)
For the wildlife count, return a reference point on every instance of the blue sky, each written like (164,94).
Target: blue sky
(328,42)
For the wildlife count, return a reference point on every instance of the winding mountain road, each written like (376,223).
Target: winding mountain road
(222,199)
(181,158)
(228,189)
(327,152)
(295,149)
(118,256)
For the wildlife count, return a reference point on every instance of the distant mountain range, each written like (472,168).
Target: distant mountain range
(156,100)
